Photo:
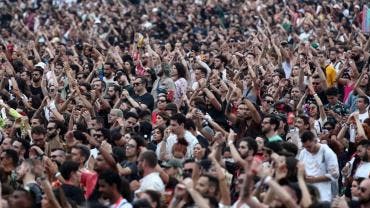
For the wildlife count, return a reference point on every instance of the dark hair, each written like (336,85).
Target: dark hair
(150,158)
(307,136)
(38,130)
(140,141)
(290,147)
(274,121)
(181,71)
(333,49)
(252,144)
(333,91)
(12,154)
(111,178)
(142,80)
(213,181)
(67,168)
(155,196)
(130,114)
(366,99)
(179,118)
(84,151)
(203,70)
(141,203)
(116,88)
(26,144)
(103,84)
(222,58)
(189,124)
(86,85)
(306,119)
(115,134)
(190,160)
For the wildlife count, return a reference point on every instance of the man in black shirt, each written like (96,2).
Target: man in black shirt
(36,82)
(141,98)
(70,172)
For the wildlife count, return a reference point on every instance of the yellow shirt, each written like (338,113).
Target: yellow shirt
(330,75)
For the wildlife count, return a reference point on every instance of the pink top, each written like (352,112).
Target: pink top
(347,90)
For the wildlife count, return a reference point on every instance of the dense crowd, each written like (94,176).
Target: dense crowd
(184,103)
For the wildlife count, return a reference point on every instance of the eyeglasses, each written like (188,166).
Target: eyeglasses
(315,83)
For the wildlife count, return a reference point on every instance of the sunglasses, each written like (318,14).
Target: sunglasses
(136,84)
(270,101)
(162,101)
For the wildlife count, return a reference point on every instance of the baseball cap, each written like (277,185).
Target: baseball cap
(42,65)
(172,163)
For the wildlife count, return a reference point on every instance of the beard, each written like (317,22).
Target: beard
(112,97)
(364,201)
(35,79)
(365,158)
(52,135)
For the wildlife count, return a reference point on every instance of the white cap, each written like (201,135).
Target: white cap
(41,64)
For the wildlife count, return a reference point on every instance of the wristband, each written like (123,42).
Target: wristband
(229,143)
(315,94)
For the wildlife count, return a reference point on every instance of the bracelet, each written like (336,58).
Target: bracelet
(315,94)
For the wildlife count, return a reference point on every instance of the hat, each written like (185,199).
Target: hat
(172,164)
(41,65)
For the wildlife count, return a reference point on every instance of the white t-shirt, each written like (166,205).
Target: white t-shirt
(363,116)
(363,170)
(122,204)
(172,139)
(151,181)
(324,162)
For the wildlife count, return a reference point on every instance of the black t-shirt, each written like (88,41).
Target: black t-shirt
(134,170)
(146,99)
(74,193)
(36,191)
(36,91)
